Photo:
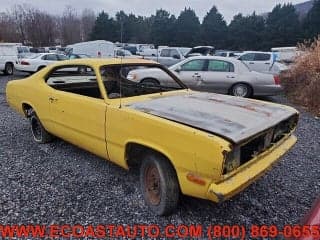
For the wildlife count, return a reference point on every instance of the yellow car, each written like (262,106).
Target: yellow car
(199,144)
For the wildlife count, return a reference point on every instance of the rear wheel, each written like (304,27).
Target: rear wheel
(159,184)
(241,90)
(40,134)
(8,69)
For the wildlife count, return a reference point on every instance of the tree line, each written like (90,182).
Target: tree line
(281,27)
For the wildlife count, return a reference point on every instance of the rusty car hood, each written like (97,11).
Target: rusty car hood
(233,118)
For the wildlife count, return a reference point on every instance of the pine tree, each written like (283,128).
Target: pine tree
(214,29)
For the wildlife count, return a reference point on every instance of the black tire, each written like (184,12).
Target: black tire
(150,82)
(241,90)
(8,69)
(159,184)
(39,133)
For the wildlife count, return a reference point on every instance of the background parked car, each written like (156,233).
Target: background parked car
(38,61)
(201,51)
(9,55)
(37,50)
(168,56)
(99,48)
(262,62)
(216,74)
(120,52)
(224,53)
(77,56)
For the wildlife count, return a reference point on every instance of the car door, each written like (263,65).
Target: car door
(191,73)
(219,77)
(262,62)
(248,59)
(174,57)
(77,110)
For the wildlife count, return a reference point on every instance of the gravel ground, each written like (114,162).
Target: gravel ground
(60,183)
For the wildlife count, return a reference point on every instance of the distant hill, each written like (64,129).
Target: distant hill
(301,8)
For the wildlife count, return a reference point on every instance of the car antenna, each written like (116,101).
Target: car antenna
(121,42)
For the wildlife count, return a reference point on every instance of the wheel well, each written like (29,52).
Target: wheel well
(26,109)
(40,67)
(135,151)
(9,63)
(248,84)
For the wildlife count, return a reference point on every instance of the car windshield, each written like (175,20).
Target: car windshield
(184,51)
(138,79)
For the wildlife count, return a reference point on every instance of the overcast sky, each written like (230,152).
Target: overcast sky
(147,7)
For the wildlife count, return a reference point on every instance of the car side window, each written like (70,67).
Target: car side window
(194,65)
(50,57)
(247,57)
(220,66)
(174,54)
(165,53)
(77,79)
(62,57)
(262,57)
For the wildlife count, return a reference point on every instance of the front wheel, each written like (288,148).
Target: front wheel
(159,184)
(241,90)
(40,134)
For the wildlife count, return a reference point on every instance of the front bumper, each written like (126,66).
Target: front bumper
(249,172)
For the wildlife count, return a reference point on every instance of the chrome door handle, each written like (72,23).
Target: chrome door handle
(230,76)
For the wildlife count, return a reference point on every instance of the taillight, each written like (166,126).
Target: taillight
(24,63)
(276,80)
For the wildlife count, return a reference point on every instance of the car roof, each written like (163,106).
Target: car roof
(203,47)
(256,52)
(105,61)
(230,59)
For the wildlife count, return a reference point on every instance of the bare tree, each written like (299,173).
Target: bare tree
(19,15)
(40,27)
(8,31)
(70,26)
(88,19)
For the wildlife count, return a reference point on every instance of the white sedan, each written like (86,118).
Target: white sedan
(215,74)
(36,62)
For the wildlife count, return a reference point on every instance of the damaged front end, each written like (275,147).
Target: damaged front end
(248,150)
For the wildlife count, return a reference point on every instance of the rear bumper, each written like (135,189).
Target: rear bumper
(249,172)
(268,90)
(24,68)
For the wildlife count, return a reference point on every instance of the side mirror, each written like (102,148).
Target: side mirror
(178,69)
(176,56)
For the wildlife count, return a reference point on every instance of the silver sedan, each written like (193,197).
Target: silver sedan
(215,74)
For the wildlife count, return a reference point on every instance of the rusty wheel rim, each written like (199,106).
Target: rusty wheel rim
(152,185)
